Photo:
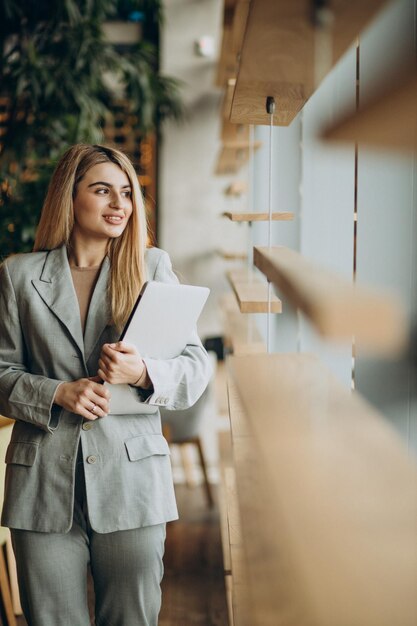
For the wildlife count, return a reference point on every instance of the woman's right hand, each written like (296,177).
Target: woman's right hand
(86,397)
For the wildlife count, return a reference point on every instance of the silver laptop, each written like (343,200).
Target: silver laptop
(160,326)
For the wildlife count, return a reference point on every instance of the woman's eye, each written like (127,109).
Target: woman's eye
(127,194)
(102,191)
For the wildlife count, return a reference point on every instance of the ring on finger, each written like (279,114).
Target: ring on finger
(93,408)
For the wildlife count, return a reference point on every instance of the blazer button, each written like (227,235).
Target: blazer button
(87,426)
(91,459)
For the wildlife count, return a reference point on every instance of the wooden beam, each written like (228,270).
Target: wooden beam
(234,216)
(230,255)
(237,188)
(341,495)
(388,122)
(273,584)
(228,98)
(277,57)
(337,308)
(252,293)
(234,132)
(233,156)
(240,17)
(241,333)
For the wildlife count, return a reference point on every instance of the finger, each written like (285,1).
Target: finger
(111,348)
(100,391)
(122,346)
(109,355)
(88,414)
(103,365)
(99,408)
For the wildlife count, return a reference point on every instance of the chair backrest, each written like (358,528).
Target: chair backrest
(185,424)
(5,434)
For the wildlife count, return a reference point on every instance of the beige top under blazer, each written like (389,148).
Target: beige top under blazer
(126,458)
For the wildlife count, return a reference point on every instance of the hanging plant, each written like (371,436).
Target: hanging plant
(57,84)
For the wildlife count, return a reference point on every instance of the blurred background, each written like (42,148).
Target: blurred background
(181,87)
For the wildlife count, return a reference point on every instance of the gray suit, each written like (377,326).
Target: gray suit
(122,480)
(126,459)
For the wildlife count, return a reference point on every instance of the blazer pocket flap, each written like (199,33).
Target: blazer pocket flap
(21,453)
(146,445)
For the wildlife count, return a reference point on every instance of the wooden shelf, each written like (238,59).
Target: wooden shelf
(233,156)
(234,132)
(234,25)
(229,255)
(277,56)
(240,331)
(236,189)
(252,293)
(257,217)
(233,552)
(271,582)
(336,307)
(225,460)
(339,517)
(389,122)
(228,98)
(228,64)
(240,18)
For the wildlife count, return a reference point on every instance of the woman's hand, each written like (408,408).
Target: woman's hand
(120,363)
(86,397)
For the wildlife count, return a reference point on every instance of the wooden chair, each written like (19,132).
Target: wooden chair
(10,602)
(182,428)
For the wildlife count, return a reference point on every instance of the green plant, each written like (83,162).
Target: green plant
(59,77)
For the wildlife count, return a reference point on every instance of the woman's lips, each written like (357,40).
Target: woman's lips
(113,219)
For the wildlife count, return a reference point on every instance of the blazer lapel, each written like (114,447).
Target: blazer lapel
(99,311)
(56,289)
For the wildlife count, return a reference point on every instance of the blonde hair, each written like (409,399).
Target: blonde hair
(127,252)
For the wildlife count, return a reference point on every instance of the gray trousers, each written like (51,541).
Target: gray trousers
(126,566)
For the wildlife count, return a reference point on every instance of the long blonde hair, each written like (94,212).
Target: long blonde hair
(127,252)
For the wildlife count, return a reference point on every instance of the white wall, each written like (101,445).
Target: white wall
(191,196)
(387,215)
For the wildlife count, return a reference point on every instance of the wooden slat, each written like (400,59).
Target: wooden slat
(233,155)
(225,461)
(251,293)
(336,307)
(227,66)
(277,57)
(229,591)
(241,335)
(228,98)
(343,494)
(240,587)
(235,216)
(234,25)
(273,592)
(240,18)
(237,188)
(389,122)
(230,255)
(234,132)
(230,160)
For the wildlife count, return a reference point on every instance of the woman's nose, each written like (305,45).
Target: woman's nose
(116,200)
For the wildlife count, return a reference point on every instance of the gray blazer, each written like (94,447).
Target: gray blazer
(126,458)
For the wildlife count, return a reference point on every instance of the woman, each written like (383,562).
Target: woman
(84,486)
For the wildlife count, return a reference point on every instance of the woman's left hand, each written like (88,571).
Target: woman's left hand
(120,363)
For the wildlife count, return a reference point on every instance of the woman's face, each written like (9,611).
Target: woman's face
(103,203)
